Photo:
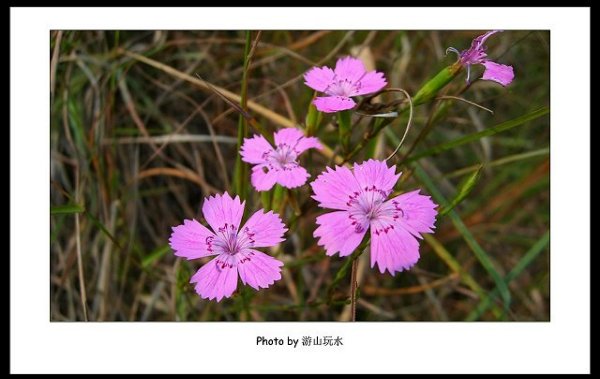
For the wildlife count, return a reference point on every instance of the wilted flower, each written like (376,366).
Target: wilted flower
(476,54)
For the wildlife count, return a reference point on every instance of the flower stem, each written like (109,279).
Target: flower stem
(342,272)
(353,286)
(430,89)
(345,128)
(313,119)
(277,199)
(265,198)
(241,169)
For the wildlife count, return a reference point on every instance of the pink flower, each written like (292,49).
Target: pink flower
(279,164)
(349,78)
(476,55)
(233,246)
(359,197)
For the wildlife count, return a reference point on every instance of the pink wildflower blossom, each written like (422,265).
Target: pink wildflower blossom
(279,164)
(359,198)
(234,247)
(349,78)
(476,54)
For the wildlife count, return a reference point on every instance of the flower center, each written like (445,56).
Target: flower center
(342,87)
(230,241)
(366,206)
(473,56)
(283,158)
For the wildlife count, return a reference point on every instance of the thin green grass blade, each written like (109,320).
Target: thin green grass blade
(527,259)
(464,189)
(103,228)
(66,209)
(478,135)
(455,266)
(155,255)
(500,162)
(478,251)
(240,177)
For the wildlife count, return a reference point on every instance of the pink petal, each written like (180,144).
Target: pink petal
(191,240)
(392,247)
(258,270)
(262,178)
(220,210)
(332,104)
(263,229)
(350,69)
(295,138)
(217,278)
(498,72)
(333,189)
(319,78)
(417,212)
(292,178)
(255,149)
(376,173)
(479,41)
(306,143)
(340,232)
(372,82)
(288,136)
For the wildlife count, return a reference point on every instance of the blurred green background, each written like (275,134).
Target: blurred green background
(136,145)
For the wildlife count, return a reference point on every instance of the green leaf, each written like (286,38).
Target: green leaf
(66,209)
(484,133)
(477,250)
(464,189)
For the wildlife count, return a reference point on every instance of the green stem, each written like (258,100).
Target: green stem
(277,199)
(345,129)
(430,89)
(313,118)
(241,169)
(426,93)
(343,271)
(353,286)
(265,198)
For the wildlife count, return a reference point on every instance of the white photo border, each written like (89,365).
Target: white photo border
(559,346)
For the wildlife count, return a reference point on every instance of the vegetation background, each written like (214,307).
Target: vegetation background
(138,140)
